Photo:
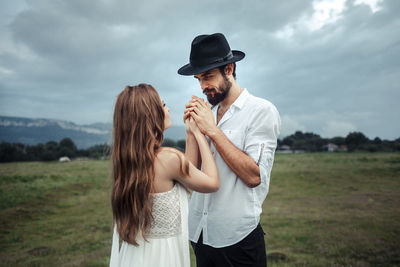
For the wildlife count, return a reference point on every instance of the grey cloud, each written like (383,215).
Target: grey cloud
(78,55)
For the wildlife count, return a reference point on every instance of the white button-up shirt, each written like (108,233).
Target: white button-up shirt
(227,216)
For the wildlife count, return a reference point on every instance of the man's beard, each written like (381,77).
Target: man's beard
(218,97)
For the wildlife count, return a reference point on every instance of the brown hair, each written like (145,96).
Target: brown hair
(137,135)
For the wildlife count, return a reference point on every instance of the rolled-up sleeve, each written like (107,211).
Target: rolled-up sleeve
(261,139)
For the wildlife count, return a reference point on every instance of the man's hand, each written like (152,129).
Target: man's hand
(201,112)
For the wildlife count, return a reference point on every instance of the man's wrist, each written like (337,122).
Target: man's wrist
(213,132)
(197,134)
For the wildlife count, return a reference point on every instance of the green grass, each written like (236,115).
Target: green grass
(55,213)
(322,210)
(334,210)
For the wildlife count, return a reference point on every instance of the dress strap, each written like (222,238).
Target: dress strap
(114,259)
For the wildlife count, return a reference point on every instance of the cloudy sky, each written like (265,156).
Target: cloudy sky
(330,66)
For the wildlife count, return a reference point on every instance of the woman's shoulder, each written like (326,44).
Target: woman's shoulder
(169,162)
(170,155)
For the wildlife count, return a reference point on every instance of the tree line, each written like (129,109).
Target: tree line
(52,150)
(354,141)
(299,141)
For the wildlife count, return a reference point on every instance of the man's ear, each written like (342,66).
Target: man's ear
(228,69)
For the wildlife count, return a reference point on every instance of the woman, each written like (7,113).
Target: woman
(149,196)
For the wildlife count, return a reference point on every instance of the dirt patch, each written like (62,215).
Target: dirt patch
(40,251)
(276,256)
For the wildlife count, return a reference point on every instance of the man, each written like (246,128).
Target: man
(242,130)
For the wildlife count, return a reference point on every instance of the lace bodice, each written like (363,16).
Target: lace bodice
(166,214)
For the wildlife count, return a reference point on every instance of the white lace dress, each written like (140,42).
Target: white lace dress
(168,244)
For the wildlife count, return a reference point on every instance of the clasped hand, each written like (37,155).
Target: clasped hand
(198,116)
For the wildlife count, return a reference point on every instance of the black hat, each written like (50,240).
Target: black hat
(208,52)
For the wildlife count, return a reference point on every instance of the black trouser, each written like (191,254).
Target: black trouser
(248,252)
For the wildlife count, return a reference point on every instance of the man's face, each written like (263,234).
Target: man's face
(214,84)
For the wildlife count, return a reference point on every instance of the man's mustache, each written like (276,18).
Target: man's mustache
(209,90)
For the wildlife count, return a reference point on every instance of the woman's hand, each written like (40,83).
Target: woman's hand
(191,126)
(186,118)
(187,126)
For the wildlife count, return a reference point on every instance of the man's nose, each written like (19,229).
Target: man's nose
(203,86)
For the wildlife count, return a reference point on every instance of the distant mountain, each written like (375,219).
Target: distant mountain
(33,131)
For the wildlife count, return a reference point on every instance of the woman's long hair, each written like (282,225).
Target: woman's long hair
(137,135)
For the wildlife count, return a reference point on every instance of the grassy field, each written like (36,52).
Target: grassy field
(322,210)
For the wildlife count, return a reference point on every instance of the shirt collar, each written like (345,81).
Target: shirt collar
(239,102)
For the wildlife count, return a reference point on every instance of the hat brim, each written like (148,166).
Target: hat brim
(188,69)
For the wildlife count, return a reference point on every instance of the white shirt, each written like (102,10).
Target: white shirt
(227,216)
